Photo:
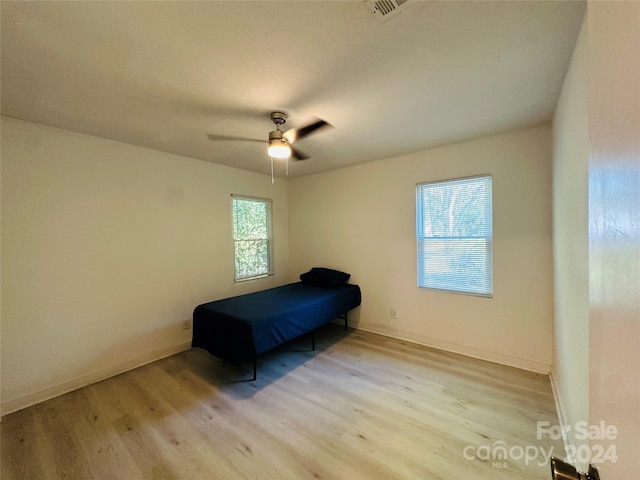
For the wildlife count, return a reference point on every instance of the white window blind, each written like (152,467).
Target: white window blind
(454,235)
(253,245)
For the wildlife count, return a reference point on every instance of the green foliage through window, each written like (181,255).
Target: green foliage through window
(252,237)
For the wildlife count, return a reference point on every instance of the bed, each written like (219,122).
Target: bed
(241,328)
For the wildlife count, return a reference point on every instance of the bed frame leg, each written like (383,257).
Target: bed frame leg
(255,369)
(345,320)
(313,341)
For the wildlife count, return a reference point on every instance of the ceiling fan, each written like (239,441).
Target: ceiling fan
(280,144)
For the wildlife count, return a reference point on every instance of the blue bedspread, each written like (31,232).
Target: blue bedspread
(241,328)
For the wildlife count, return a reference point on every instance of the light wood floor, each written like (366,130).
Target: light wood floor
(360,407)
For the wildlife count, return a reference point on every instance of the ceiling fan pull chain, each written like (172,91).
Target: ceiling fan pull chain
(272,180)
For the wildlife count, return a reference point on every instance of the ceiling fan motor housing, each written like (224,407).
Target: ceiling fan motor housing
(277,135)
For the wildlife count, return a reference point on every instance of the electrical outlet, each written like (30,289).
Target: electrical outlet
(393,314)
(186,325)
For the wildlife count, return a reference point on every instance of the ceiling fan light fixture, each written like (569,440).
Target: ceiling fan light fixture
(279,148)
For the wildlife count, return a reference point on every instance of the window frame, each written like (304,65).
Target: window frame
(269,238)
(488,238)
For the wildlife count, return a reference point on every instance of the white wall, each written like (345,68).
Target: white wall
(614,229)
(597,238)
(106,249)
(570,375)
(361,220)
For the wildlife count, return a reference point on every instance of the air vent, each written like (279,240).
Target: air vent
(383,10)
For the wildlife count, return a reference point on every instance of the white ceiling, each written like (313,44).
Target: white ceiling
(164,74)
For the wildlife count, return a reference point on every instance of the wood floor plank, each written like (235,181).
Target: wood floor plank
(20,446)
(360,407)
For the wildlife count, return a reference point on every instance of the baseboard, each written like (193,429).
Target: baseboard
(568,440)
(511,361)
(48,393)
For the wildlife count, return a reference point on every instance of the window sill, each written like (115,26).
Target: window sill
(257,277)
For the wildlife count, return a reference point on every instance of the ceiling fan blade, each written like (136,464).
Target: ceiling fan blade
(214,137)
(296,134)
(297,154)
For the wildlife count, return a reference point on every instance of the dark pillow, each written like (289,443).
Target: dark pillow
(324,277)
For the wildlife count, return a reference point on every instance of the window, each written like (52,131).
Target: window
(253,245)
(454,235)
